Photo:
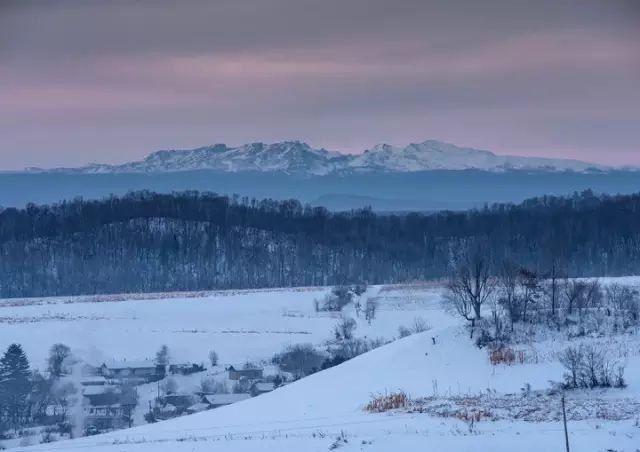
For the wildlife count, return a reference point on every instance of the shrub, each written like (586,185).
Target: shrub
(299,359)
(341,351)
(359,289)
(344,329)
(339,297)
(420,325)
(370,310)
(403,331)
(47,437)
(484,338)
(354,347)
(333,361)
(589,366)
(386,402)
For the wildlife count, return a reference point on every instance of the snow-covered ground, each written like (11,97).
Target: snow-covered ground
(325,411)
(240,326)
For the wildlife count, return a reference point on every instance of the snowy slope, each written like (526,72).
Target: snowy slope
(436,155)
(299,158)
(310,414)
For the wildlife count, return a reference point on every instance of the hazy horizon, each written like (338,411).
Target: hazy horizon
(110,82)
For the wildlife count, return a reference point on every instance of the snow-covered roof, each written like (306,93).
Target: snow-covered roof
(225,399)
(264,386)
(242,368)
(98,389)
(130,364)
(94,380)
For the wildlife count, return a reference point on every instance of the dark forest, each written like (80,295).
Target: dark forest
(148,242)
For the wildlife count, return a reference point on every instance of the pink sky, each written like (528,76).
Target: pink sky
(92,81)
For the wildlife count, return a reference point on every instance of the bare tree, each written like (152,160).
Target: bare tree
(370,311)
(530,289)
(470,285)
(584,294)
(507,285)
(574,292)
(554,274)
(594,296)
(571,358)
(619,296)
(59,359)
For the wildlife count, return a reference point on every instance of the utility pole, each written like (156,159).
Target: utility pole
(564,421)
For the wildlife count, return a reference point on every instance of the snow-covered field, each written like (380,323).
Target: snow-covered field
(240,326)
(325,411)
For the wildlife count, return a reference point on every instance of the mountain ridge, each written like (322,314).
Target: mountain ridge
(297,157)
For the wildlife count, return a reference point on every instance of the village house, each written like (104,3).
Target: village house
(251,373)
(179,401)
(134,372)
(218,400)
(108,410)
(185,369)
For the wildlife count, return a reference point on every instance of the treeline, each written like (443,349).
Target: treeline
(193,241)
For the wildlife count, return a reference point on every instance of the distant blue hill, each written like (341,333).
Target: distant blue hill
(383,191)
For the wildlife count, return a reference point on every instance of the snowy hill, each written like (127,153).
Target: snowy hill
(325,411)
(295,157)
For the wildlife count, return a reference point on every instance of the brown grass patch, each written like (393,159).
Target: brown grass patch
(386,402)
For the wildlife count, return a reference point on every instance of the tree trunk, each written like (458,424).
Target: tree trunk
(476,310)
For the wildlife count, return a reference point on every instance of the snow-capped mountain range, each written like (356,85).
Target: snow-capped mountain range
(295,157)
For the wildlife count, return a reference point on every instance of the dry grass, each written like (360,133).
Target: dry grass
(386,402)
(506,355)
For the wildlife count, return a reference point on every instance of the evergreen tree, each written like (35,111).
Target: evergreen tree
(15,386)
(162,356)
